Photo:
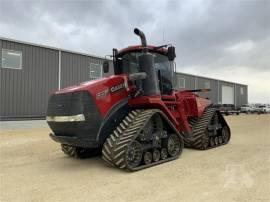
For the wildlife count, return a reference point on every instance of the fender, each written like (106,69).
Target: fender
(112,120)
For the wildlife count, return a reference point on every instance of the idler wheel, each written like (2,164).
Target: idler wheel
(225,134)
(134,154)
(174,145)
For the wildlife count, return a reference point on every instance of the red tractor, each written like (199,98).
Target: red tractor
(135,117)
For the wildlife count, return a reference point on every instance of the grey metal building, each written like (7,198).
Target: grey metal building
(221,92)
(30,72)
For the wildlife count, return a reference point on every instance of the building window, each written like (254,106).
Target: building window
(11,59)
(95,71)
(181,82)
(242,91)
(207,84)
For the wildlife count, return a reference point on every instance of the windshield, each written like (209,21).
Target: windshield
(130,62)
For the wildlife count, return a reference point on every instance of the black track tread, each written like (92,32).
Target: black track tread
(73,151)
(114,148)
(115,145)
(198,130)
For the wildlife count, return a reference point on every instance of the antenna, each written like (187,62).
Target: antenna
(163,35)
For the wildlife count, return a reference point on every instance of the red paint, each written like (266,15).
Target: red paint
(107,92)
(106,102)
(178,107)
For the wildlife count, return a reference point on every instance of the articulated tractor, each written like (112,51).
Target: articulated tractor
(135,118)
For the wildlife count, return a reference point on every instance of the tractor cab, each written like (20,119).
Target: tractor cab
(157,62)
(127,62)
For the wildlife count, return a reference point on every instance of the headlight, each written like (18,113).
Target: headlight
(74,118)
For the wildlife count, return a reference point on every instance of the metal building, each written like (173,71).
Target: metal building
(30,72)
(221,92)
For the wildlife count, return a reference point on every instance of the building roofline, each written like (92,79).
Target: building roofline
(194,75)
(50,47)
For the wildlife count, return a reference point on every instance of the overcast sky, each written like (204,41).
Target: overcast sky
(227,39)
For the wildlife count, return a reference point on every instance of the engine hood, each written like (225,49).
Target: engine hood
(106,92)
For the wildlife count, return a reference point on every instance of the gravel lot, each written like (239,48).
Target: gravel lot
(32,168)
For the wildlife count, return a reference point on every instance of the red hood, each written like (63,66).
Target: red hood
(83,86)
(105,91)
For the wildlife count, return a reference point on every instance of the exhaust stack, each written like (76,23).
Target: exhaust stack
(142,36)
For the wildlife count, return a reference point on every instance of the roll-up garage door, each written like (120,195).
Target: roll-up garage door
(227,94)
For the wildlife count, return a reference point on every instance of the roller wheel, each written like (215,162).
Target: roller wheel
(225,134)
(174,145)
(212,141)
(220,140)
(147,158)
(156,155)
(216,140)
(163,153)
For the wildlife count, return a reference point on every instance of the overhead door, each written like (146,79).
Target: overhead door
(227,94)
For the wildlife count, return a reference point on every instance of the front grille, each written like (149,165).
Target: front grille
(69,104)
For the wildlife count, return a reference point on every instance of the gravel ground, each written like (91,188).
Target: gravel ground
(32,168)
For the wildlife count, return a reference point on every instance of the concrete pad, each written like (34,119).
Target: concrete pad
(33,168)
(16,125)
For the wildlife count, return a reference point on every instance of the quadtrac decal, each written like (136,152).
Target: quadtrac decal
(113,89)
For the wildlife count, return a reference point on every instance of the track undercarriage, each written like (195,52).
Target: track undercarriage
(209,131)
(142,140)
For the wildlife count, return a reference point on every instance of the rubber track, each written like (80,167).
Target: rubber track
(72,151)
(198,130)
(114,148)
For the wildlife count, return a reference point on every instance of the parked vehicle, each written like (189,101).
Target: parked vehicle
(248,108)
(266,109)
(262,109)
(227,109)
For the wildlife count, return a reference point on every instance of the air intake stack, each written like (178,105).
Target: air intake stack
(150,85)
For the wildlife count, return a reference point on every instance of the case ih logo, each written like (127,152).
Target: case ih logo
(117,88)
(112,90)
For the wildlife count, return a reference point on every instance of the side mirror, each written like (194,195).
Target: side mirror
(171,53)
(106,66)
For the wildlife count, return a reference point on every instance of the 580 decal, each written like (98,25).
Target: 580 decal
(110,90)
